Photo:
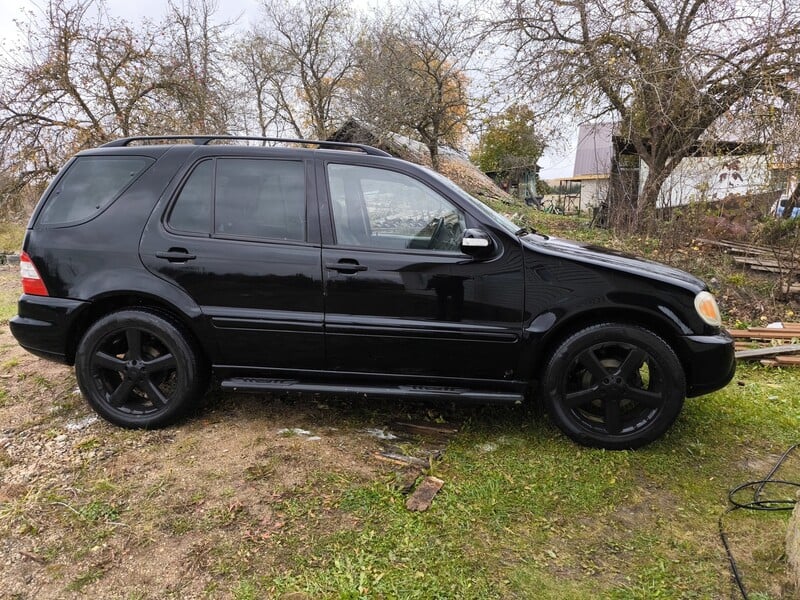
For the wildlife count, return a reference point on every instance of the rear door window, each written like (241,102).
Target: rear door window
(250,198)
(260,198)
(90,184)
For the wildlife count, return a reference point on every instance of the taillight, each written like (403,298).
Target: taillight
(31,280)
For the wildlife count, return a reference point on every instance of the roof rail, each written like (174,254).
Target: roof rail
(203,140)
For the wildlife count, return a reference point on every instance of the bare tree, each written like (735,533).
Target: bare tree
(305,55)
(198,64)
(413,74)
(665,70)
(80,79)
(261,81)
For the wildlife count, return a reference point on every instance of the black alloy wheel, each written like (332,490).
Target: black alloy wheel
(614,386)
(137,369)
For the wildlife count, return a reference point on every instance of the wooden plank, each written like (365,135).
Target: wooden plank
(740,247)
(402,459)
(423,428)
(767,352)
(788,360)
(768,269)
(757,261)
(769,362)
(784,329)
(770,334)
(767,264)
(740,334)
(423,496)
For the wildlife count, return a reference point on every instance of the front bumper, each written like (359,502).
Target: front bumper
(710,362)
(42,325)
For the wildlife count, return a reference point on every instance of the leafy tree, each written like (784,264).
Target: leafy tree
(666,70)
(510,143)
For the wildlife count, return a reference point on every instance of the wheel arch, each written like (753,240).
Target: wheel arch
(629,315)
(189,322)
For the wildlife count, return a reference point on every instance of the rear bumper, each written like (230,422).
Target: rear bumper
(711,362)
(42,325)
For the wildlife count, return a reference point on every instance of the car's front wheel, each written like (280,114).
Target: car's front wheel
(137,369)
(613,386)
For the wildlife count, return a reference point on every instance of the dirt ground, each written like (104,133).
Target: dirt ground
(90,509)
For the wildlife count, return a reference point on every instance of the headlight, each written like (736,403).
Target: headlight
(707,308)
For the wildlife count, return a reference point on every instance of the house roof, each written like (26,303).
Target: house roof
(595,151)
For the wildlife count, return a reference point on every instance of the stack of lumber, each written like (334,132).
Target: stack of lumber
(776,345)
(758,258)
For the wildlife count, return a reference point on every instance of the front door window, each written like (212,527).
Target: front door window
(378,208)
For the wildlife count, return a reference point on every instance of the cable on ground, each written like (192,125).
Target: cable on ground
(757,503)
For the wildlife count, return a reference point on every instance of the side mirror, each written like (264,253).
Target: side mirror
(476,243)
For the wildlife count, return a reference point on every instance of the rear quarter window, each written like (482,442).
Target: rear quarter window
(90,184)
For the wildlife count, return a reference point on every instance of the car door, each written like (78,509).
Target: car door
(400,297)
(240,239)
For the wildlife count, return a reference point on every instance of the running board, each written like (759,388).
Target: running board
(258,384)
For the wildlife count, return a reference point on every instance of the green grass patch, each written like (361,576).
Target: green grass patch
(11,235)
(10,290)
(525,513)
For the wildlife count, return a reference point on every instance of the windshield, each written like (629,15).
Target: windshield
(496,218)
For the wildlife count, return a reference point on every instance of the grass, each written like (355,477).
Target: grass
(11,235)
(540,517)
(9,293)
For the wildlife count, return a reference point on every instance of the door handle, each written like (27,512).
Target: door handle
(348,268)
(176,255)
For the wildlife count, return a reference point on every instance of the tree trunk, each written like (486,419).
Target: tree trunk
(433,149)
(642,216)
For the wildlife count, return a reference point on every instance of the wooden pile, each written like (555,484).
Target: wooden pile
(758,258)
(759,343)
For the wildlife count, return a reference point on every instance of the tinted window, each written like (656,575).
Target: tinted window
(383,209)
(260,198)
(192,209)
(89,185)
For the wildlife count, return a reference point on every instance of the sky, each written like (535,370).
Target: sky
(557,161)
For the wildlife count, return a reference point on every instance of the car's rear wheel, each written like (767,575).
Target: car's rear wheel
(138,370)
(613,386)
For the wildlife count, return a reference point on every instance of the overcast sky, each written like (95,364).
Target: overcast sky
(556,163)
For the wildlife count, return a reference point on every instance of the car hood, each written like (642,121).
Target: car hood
(612,259)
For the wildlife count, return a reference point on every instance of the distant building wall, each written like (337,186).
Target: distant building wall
(704,178)
(593,192)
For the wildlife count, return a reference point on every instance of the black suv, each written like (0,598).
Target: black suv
(332,267)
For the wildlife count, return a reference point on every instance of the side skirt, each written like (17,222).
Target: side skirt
(264,384)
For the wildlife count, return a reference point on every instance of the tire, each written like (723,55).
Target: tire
(613,386)
(138,370)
